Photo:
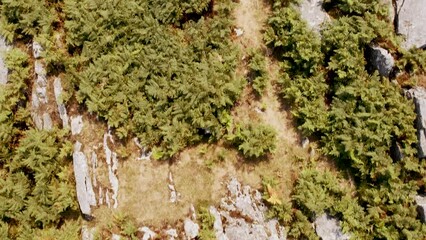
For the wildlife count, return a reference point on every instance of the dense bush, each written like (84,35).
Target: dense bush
(160,83)
(258,73)
(254,140)
(356,116)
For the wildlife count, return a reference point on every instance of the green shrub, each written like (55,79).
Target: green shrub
(258,72)
(254,140)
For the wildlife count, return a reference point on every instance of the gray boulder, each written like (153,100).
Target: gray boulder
(421,207)
(328,228)
(85,194)
(313,13)
(380,59)
(410,21)
(37,50)
(171,233)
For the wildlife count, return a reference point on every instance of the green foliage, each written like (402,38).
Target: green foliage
(258,73)
(254,140)
(148,79)
(14,114)
(37,190)
(206,220)
(299,50)
(357,118)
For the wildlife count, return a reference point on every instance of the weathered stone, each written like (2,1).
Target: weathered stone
(191,228)
(410,22)
(76,124)
(380,59)
(147,233)
(112,162)
(87,233)
(243,217)
(419,96)
(421,207)
(174,195)
(328,228)
(313,13)
(85,194)
(47,121)
(3,69)
(115,237)
(57,89)
(217,225)
(238,32)
(37,50)
(171,233)
(305,142)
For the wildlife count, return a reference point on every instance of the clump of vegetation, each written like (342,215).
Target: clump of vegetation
(356,116)
(148,79)
(254,140)
(206,220)
(258,73)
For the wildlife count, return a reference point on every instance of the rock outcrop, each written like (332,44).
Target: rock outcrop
(410,21)
(57,89)
(112,163)
(85,194)
(39,96)
(191,229)
(421,207)
(313,13)
(380,59)
(3,69)
(328,228)
(241,216)
(419,96)
(148,234)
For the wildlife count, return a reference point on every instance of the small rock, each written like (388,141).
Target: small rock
(238,32)
(57,89)
(172,233)
(87,233)
(328,228)
(191,229)
(115,237)
(313,13)
(3,69)
(380,59)
(37,50)
(305,142)
(76,125)
(421,207)
(147,233)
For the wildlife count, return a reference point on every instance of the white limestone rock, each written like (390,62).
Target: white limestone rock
(328,228)
(313,13)
(411,19)
(4,48)
(191,229)
(85,194)
(171,233)
(57,89)
(147,233)
(76,124)
(37,50)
